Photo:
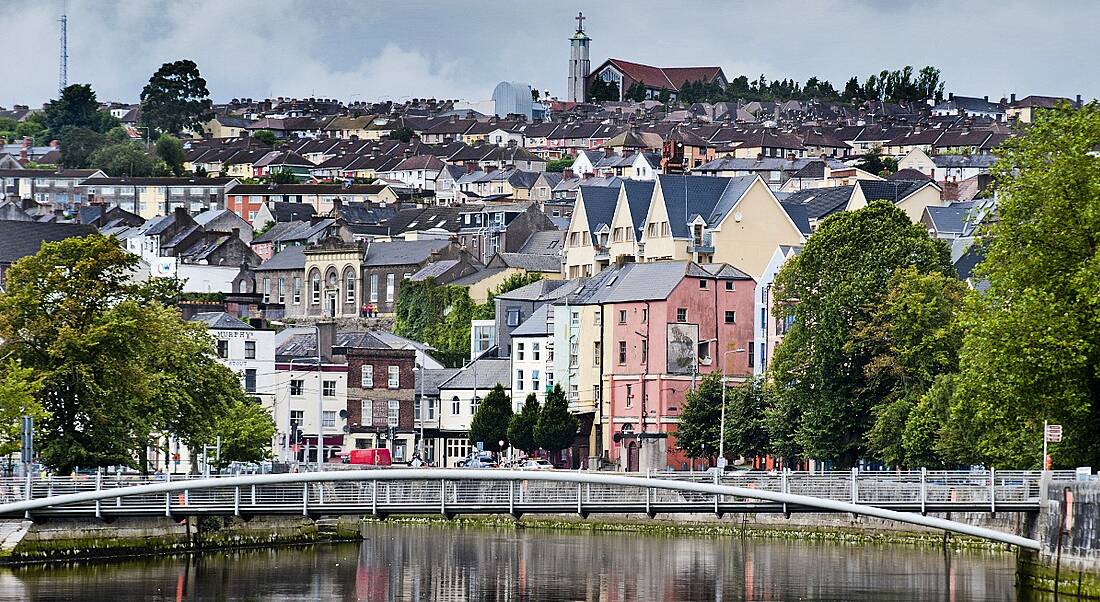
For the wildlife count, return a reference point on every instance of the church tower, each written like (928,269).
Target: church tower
(578,62)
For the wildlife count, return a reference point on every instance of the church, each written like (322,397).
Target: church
(623,75)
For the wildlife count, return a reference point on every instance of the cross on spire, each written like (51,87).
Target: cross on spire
(580,21)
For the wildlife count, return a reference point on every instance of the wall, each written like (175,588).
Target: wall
(1079,570)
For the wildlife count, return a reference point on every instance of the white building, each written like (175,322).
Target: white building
(533,357)
(299,384)
(765,337)
(458,398)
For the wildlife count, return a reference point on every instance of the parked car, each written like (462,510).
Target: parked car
(482,460)
(378,456)
(536,464)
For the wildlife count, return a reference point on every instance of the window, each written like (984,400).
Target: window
(629,395)
(374,288)
(519,351)
(266,289)
(729,285)
(645,315)
(704,352)
(681,314)
(366,374)
(394,381)
(393,417)
(297,290)
(366,417)
(389,287)
(296,386)
(645,350)
(513,316)
(752,353)
(223,348)
(596,393)
(282,289)
(328,419)
(622,352)
(574,318)
(573,354)
(702,283)
(349,279)
(574,393)
(519,380)
(455,406)
(297,417)
(549,379)
(622,316)
(535,351)
(596,353)
(535,381)
(315,288)
(474,401)
(456,448)
(328,388)
(731,317)
(250,380)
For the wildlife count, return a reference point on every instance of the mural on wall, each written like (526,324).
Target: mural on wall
(683,343)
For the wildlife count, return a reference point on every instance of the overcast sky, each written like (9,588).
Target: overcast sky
(368,50)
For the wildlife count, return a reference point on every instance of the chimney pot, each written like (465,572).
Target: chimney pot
(1012,97)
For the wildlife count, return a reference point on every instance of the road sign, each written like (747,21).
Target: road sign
(1054,433)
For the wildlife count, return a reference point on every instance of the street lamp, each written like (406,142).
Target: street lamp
(722,422)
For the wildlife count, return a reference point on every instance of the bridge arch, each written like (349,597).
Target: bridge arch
(28,507)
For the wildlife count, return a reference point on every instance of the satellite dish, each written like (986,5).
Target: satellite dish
(737,217)
(343,413)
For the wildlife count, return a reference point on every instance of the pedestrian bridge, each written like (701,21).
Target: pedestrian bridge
(901,496)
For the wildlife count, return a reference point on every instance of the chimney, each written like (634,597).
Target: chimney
(27,140)
(950,191)
(471,167)
(236,232)
(1012,98)
(181,214)
(950,96)
(986,98)
(790,156)
(1079,101)
(327,331)
(337,205)
(567,174)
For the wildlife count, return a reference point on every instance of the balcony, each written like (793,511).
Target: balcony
(701,244)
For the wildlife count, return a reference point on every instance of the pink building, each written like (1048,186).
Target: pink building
(668,323)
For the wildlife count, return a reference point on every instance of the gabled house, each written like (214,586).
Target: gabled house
(910,196)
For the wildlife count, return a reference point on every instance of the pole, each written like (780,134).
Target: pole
(1043,464)
(722,423)
(420,448)
(320,404)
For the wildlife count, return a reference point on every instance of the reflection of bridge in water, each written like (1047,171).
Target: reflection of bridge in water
(900,496)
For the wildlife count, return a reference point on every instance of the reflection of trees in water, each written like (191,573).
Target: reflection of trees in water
(398,562)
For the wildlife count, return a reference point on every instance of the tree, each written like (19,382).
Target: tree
(128,159)
(746,430)
(170,150)
(636,92)
(698,432)
(78,145)
(246,430)
(559,165)
(490,423)
(116,366)
(840,275)
(521,430)
(76,108)
(403,133)
(176,99)
(1032,346)
(265,137)
(599,90)
(910,338)
(18,397)
(871,161)
(282,176)
(487,310)
(556,428)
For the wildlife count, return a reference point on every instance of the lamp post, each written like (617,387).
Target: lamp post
(420,444)
(722,422)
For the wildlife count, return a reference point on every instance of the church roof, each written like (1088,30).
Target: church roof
(666,78)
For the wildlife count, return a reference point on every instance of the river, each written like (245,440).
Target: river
(411,562)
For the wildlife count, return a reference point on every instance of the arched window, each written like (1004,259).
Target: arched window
(349,284)
(315,287)
(456,405)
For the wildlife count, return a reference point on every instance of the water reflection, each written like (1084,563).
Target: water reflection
(440,563)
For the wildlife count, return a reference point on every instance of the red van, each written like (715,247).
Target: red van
(378,456)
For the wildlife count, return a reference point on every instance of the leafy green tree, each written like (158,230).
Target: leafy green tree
(490,423)
(698,431)
(76,108)
(521,429)
(556,428)
(636,92)
(265,137)
(438,315)
(78,145)
(600,91)
(871,161)
(281,176)
(246,429)
(128,159)
(170,150)
(176,99)
(910,338)
(559,165)
(403,133)
(1032,348)
(746,428)
(19,391)
(840,275)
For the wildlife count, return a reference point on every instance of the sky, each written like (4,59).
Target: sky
(375,50)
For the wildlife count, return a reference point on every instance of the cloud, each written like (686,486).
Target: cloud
(371,50)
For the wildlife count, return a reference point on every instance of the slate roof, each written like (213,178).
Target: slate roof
(484,373)
(544,242)
(288,212)
(733,192)
(220,320)
(290,258)
(434,269)
(978,161)
(535,325)
(402,252)
(652,281)
(476,277)
(685,196)
(799,215)
(542,290)
(889,190)
(532,262)
(19,239)
(820,202)
(909,174)
(953,218)
(599,206)
(639,193)
(433,378)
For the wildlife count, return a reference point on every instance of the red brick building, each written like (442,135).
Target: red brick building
(381,386)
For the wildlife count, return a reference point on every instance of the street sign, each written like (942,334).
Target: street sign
(1054,433)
